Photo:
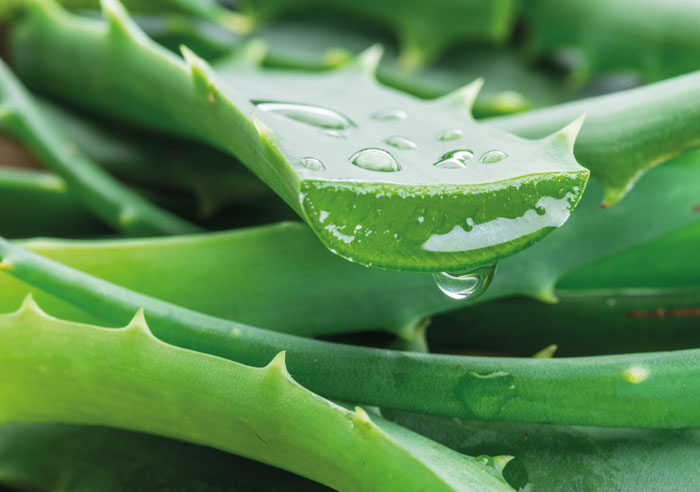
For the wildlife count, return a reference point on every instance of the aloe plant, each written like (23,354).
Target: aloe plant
(170,362)
(255,116)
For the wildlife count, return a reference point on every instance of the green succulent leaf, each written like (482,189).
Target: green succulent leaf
(625,133)
(118,206)
(655,40)
(424,30)
(383,178)
(565,459)
(534,390)
(80,458)
(55,370)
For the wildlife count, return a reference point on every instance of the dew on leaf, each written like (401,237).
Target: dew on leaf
(306,113)
(401,143)
(313,164)
(493,156)
(457,159)
(375,160)
(450,134)
(485,394)
(390,115)
(466,285)
(333,133)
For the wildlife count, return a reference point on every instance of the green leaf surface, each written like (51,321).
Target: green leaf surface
(320,141)
(118,206)
(574,459)
(58,371)
(533,390)
(583,322)
(424,30)
(625,133)
(655,40)
(46,206)
(80,458)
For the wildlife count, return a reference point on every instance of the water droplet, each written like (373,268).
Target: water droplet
(457,159)
(313,164)
(375,160)
(333,133)
(306,113)
(390,115)
(450,134)
(401,143)
(465,286)
(540,210)
(485,394)
(493,156)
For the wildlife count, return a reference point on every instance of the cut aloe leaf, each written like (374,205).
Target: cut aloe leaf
(383,178)
(58,371)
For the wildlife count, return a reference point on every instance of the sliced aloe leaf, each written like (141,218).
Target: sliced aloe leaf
(582,459)
(55,370)
(328,143)
(81,458)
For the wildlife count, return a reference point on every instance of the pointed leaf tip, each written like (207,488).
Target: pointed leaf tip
(361,416)
(264,131)
(464,97)
(368,61)
(279,364)
(547,352)
(500,462)
(568,134)
(138,323)
(119,21)
(30,305)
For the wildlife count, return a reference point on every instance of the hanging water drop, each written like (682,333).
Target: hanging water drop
(390,115)
(313,164)
(375,160)
(401,143)
(457,159)
(306,113)
(493,156)
(450,134)
(467,285)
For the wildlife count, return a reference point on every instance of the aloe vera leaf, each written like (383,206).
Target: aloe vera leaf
(625,133)
(583,322)
(424,30)
(214,178)
(45,206)
(534,390)
(80,458)
(104,196)
(285,264)
(583,459)
(323,43)
(58,371)
(241,272)
(669,261)
(656,40)
(537,176)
